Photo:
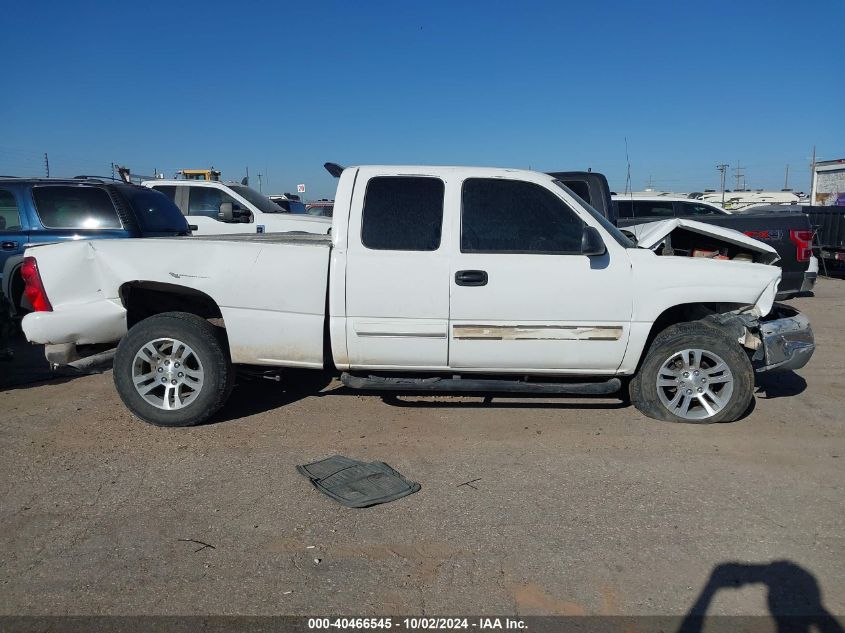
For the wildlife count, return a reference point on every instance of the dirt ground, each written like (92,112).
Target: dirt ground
(576,506)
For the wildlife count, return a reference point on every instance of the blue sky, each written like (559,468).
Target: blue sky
(283,87)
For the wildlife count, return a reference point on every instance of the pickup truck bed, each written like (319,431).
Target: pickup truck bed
(269,289)
(829,225)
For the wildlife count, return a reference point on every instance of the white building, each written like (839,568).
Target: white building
(828,182)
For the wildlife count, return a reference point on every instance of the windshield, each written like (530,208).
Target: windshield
(617,235)
(259,200)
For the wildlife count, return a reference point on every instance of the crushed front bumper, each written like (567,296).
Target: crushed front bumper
(787,338)
(781,341)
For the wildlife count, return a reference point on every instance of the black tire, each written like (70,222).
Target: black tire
(643,387)
(208,346)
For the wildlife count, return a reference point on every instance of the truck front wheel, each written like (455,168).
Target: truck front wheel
(693,373)
(173,369)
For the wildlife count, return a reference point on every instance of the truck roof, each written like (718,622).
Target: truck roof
(81,180)
(431,170)
(184,182)
(622,196)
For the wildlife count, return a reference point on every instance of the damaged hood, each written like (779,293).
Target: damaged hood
(651,234)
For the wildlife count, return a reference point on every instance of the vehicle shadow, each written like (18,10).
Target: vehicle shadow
(794,597)
(23,365)
(253,395)
(780,384)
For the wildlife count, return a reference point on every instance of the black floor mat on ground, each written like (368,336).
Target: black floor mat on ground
(357,484)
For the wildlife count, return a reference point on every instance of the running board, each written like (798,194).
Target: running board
(467,385)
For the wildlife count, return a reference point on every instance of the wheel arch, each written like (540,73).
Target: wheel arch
(680,313)
(143,299)
(13,284)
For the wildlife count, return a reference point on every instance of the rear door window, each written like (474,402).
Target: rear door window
(10,217)
(403,213)
(75,207)
(154,212)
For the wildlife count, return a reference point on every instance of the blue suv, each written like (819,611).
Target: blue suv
(38,211)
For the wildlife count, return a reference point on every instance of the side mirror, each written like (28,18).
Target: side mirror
(226,213)
(591,242)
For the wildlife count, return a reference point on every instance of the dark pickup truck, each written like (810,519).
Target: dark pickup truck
(791,235)
(42,210)
(828,225)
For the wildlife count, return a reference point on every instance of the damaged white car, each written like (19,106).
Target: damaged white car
(436,280)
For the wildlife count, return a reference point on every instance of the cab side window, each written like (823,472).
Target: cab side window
(625,208)
(10,217)
(693,208)
(512,216)
(168,190)
(653,209)
(207,200)
(403,213)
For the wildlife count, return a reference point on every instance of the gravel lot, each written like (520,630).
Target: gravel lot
(580,506)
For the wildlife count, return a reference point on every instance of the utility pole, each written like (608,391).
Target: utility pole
(259,183)
(46,164)
(722,169)
(813,178)
(740,176)
(628,176)
(786,178)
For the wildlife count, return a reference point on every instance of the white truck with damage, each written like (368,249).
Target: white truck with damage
(434,279)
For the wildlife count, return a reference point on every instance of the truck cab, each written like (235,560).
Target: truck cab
(213,207)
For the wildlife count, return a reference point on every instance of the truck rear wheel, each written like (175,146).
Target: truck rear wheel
(173,369)
(693,373)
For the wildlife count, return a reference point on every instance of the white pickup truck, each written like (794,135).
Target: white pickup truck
(213,207)
(435,279)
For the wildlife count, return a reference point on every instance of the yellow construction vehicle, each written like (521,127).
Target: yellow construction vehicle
(198,174)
